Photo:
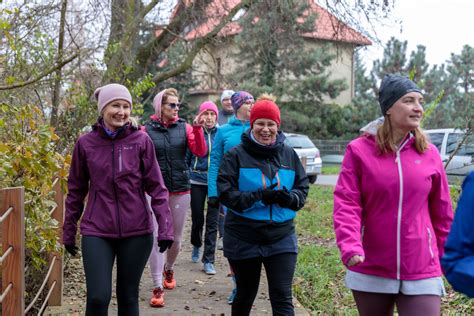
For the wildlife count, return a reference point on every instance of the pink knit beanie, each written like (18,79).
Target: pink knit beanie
(111,92)
(157,103)
(208,105)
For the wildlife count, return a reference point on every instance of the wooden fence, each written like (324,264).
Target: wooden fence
(12,221)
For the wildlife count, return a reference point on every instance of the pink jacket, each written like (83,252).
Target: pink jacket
(394,209)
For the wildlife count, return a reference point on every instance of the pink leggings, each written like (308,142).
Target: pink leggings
(179,205)
(407,305)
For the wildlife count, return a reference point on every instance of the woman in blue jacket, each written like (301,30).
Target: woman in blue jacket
(227,137)
(263,184)
(458,259)
(198,176)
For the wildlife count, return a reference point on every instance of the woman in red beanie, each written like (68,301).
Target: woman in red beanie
(263,184)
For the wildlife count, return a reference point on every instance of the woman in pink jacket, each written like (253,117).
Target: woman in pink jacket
(392,210)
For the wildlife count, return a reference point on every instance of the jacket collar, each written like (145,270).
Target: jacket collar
(259,150)
(122,132)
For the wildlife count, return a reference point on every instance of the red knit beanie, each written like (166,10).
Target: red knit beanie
(265,109)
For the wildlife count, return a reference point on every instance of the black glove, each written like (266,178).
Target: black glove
(72,249)
(284,198)
(213,202)
(269,195)
(164,244)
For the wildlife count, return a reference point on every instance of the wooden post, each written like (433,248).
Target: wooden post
(56,297)
(13,235)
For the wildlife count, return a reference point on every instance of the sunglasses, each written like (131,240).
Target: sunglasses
(173,105)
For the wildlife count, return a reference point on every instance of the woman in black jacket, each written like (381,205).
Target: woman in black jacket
(263,184)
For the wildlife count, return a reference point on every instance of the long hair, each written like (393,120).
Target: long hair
(385,138)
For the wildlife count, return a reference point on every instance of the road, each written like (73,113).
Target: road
(330,179)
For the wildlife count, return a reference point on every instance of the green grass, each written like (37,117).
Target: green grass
(319,277)
(331,169)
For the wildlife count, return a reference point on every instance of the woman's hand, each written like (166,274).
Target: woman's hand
(199,120)
(72,249)
(355,260)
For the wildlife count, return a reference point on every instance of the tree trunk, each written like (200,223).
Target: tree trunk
(57,78)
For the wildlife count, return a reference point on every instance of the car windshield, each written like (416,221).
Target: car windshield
(299,142)
(466,149)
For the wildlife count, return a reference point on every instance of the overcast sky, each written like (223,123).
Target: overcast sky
(442,26)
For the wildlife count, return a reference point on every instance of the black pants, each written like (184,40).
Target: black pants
(198,199)
(279,268)
(98,255)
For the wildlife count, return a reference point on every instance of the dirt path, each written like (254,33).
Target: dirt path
(196,293)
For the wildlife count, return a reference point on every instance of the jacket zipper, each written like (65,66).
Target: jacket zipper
(400,201)
(271,205)
(115,190)
(120,159)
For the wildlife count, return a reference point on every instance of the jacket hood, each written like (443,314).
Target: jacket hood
(262,150)
(372,127)
(235,121)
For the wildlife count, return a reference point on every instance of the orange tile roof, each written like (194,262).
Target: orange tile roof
(327,26)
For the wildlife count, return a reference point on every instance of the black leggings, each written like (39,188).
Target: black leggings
(98,255)
(279,269)
(198,198)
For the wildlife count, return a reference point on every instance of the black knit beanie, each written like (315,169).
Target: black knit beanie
(392,88)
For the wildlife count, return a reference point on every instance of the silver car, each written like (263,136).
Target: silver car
(307,152)
(447,140)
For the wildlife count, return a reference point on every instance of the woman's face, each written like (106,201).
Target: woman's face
(265,131)
(209,118)
(407,112)
(116,114)
(243,112)
(227,105)
(170,108)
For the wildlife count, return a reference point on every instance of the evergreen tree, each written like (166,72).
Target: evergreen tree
(273,56)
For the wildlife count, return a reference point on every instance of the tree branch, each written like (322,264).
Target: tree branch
(41,76)
(200,43)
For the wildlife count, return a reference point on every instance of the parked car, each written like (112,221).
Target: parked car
(307,152)
(447,140)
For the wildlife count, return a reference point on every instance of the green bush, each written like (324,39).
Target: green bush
(28,158)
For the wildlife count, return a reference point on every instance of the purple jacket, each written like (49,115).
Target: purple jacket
(116,173)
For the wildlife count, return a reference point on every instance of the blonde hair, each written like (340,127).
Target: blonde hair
(170,92)
(267,96)
(387,145)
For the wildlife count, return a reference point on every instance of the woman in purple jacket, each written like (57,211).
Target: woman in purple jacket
(115,165)
(392,210)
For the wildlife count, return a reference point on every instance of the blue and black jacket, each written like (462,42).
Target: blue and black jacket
(458,259)
(244,173)
(199,166)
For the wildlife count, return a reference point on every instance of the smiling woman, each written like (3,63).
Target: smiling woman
(116,114)
(392,210)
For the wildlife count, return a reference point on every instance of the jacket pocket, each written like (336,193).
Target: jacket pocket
(128,159)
